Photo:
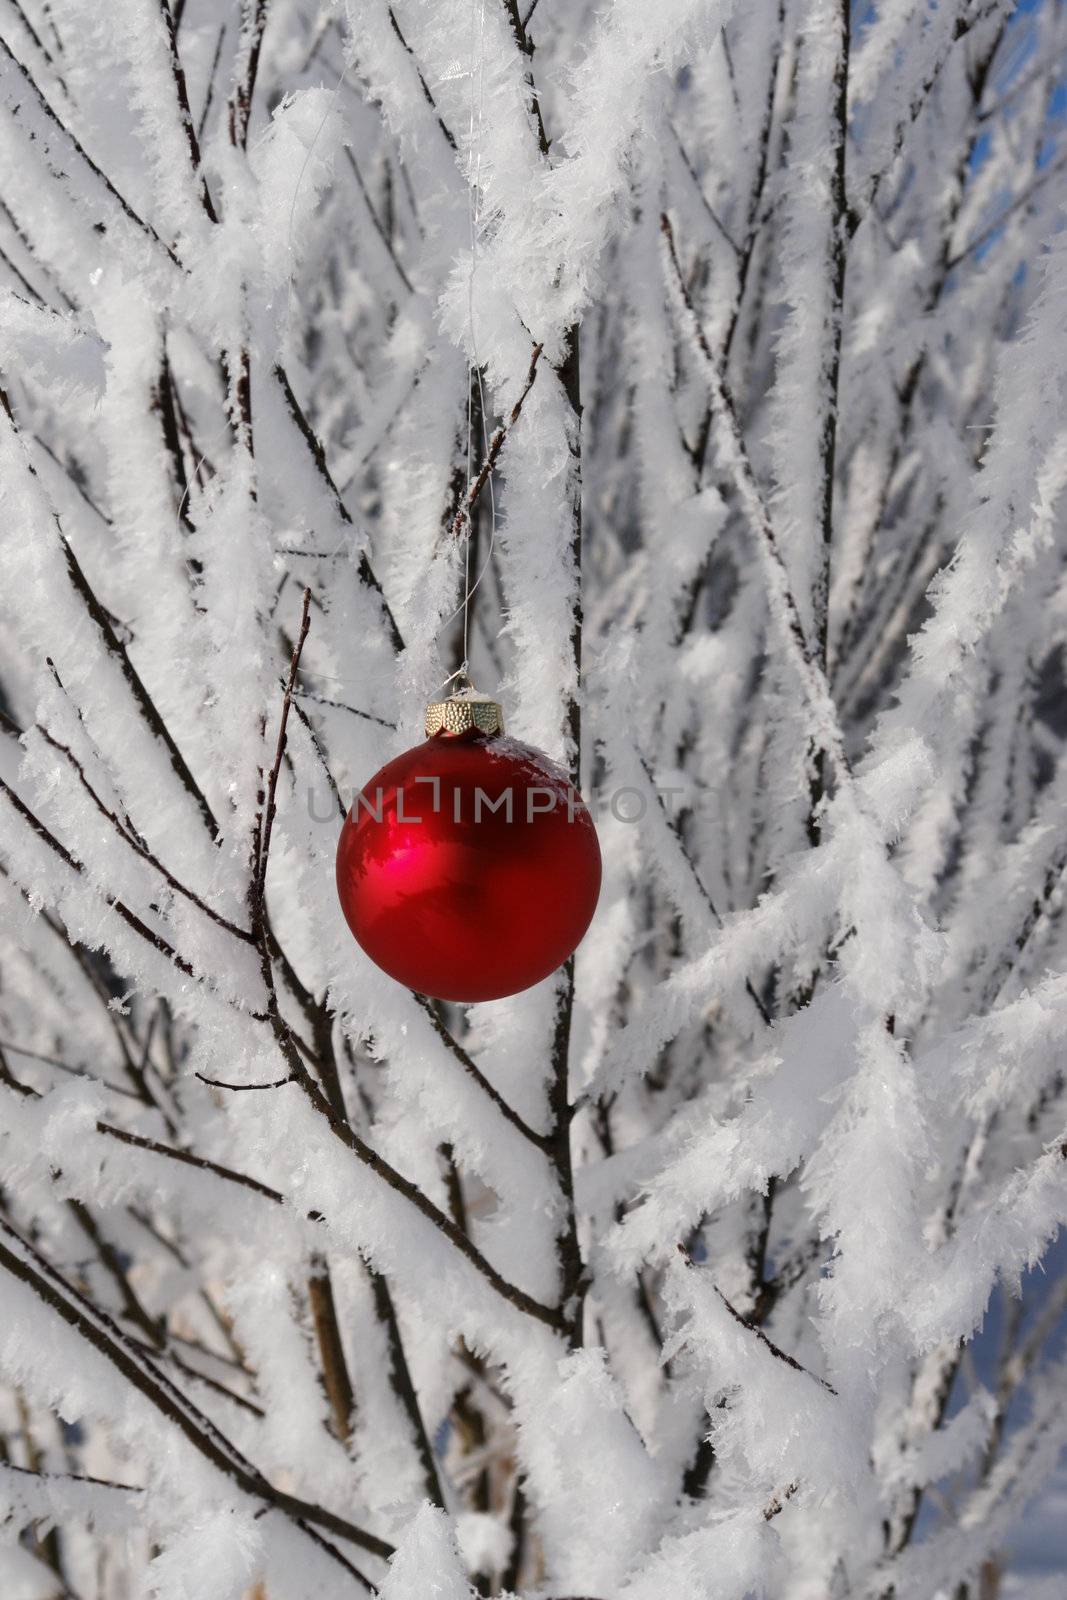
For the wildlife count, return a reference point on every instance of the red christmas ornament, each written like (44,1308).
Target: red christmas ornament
(468,868)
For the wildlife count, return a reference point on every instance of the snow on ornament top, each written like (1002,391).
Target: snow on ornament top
(468,868)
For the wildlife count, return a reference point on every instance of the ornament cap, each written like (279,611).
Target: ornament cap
(464,712)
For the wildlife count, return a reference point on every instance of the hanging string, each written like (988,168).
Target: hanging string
(476,120)
(475,126)
(296,193)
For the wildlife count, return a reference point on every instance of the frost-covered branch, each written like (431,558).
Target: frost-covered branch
(724,347)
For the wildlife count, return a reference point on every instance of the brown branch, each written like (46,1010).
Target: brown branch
(97,172)
(20,12)
(316,744)
(702,889)
(543,1141)
(22,278)
(136,844)
(526,48)
(152,1327)
(48,1548)
(377,222)
(29,1267)
(1009,959)
(395,1180)
(139,1141)
(403,1387)
(121,910)
(318,455)
(341,705)
(241,1088)
(816,689)
(241,99)
(850,632)
(74,1477)
(143,699)
(573,1282)
(768,1343)
(90,970)
(212,76)
(430,101)
(185,114)
(75,1072)
(165,401)
(27,244)
(172,1153)
(723,395)
(335,1369)
(114,646)
(197,1376)
(985,234)
(717,221)
(776,1502)
(409,1191)
(263,850)
(335,1374)
(963,25)
(838,252)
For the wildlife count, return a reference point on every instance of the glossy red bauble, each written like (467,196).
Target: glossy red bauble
(468,868)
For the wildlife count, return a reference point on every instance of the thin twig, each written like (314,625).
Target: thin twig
(404,1187)
(283,723)
(181,94)
(116,648)
(74,1072)
(376,220)
(430,101)
(720,226)
(241,99)
(985,234)
(212,75)
(526,49)
(403,1387)
(241,1088)
(74,1477)
(28,1266)
(751,1327)
(827,733)
(129,917)
(97,172)
(335,1374)
(702,889)
(543,1141)
(962,27)
(136,844)
(496,444)
(134,1309)
(139,1142)
(143,699)
(341,705)
(318,455)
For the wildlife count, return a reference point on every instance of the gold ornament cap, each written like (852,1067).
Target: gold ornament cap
(462,712)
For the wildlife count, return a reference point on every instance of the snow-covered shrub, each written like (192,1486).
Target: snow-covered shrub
(669,1277)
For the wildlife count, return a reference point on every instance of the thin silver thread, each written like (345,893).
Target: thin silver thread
(474,171)
(474,165)
(185,494)
(296,194)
